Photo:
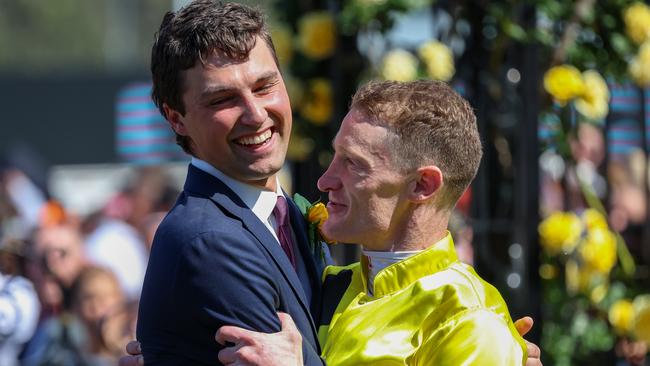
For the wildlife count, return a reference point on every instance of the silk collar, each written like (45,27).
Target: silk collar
(400,275)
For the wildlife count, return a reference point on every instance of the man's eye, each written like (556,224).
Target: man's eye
(220,101)
(264,88)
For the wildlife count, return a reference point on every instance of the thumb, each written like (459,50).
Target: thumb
(287,322)
(524,325)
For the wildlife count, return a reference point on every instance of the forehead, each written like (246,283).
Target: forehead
(361,134)
(220,70)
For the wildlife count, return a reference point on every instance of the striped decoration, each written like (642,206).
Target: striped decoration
(625,127)
(143,136)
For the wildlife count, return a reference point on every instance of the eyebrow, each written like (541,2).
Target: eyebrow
(216,89)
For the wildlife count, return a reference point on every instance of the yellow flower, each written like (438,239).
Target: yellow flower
(599,249)
(317,108)
(317,35)
(621,315)
(594,102)
(318,214)
(593,218)
(282,41)
(640,66)
(641,323)
(438,59)
(564,83)
(637,22)
(560,232)
(598,293)
(399,65)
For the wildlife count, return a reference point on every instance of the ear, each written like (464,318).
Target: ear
(175,119)
(428,181)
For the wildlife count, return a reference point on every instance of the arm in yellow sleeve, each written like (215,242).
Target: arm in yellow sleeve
(473,337)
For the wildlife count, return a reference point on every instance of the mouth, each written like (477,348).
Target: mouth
(334,206)
(255,140)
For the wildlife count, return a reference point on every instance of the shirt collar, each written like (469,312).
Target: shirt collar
(259,200)
(399,275)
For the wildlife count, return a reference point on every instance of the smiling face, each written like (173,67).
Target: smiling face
(367,193)
(237,115)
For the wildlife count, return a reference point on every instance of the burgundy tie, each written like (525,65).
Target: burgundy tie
(281,213)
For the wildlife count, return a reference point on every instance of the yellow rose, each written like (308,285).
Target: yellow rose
(641,322)
(438,59)
(637,22)
(621,315)
(560,232)
(594,102)
(593,218)
(585,279)
(399,65)
(282,41)
(599,249)
(564,83)
(640,66)
(317,108)
(317,35)
(318,214)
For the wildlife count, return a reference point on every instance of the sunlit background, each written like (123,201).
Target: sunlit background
(556,218)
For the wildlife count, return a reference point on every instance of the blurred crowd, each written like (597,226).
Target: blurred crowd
(69,285)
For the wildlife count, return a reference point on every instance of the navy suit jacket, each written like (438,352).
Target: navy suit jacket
(214,263)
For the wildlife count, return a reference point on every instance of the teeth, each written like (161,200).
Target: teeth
(255,140)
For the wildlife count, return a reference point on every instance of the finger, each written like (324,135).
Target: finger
(229,333)
(131,361)
(133,348)
(534,362)
(533,350)
(524,325)
(287,322)
(228,355)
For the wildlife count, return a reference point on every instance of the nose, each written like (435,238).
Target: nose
(329,181)
(254,110)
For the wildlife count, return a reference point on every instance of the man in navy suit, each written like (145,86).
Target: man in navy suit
(234,249)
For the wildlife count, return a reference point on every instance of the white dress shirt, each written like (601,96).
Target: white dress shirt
(259,200)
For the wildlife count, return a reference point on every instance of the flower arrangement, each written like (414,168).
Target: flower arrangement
(585,269)
(305,43)
(435,61)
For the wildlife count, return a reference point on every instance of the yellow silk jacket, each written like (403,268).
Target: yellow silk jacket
(429,309)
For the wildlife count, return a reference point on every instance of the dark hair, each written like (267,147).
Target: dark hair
(432,124)
(189,35)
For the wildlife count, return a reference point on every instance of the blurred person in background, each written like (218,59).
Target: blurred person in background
(56,258)
(99,304)
(19,306)
(119,236)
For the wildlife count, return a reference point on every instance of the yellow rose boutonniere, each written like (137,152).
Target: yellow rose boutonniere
(315,214)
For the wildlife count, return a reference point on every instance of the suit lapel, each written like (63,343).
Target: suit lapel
(299,225)
(207,185)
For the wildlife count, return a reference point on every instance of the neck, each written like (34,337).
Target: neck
(268,183)
(420,231)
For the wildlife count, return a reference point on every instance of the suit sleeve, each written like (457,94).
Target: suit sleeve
(228,280)
(474,337)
